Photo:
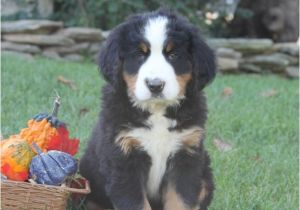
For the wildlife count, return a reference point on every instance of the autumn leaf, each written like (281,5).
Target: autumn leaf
(221,145)
(227,91)
(269,93)
(256,158)
(83,111)
(67,82)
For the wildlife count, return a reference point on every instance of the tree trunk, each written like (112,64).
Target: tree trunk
(275,19)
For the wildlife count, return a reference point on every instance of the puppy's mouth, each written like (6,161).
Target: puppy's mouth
(156,102)
(146,96)
(157,96)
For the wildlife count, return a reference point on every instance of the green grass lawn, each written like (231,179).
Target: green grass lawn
(260,172)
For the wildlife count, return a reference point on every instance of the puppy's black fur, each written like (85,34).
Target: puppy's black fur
(119,180)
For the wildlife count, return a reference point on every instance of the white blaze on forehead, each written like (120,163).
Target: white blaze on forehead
(156,65)
(155,32)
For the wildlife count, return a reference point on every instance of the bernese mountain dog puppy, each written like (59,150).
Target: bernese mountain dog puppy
(146,151)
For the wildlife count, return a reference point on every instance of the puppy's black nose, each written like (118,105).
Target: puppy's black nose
(155,85)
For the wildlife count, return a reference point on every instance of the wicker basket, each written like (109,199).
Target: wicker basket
(27,196)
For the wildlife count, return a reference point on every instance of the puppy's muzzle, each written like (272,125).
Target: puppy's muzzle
(156,85)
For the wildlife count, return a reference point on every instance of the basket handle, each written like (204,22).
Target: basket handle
(85,191)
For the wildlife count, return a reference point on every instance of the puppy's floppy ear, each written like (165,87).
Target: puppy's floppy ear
(204,64)
(109,58)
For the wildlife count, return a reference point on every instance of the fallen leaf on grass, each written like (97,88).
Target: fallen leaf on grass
(83,111)
(227,91)
(67,82)
(269,93)
(221,145)
(256,158)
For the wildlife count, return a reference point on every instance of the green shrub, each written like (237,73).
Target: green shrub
(106,14)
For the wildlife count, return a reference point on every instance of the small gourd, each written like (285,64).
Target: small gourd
(49,133)
(53,167)
(16,155)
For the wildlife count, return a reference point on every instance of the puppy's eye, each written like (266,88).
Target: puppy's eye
(172,56)
(142,54)
(170,51)
(143,49)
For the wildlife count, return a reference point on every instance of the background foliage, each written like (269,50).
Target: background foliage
(107,14)
(216,18)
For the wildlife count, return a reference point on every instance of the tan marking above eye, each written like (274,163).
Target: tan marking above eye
(144,47)
(169,47)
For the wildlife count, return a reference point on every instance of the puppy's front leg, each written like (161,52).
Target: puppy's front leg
(190,184)
(126,186)
(172,200)
(128,194)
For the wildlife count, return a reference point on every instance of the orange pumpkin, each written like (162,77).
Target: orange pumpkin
(40,132)
(49,133)
(16,155)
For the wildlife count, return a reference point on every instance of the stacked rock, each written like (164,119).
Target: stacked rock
(51,39)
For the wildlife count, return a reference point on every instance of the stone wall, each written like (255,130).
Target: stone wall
(256,56)
(52,40)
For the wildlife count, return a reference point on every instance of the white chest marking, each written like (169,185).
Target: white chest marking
(159,143)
